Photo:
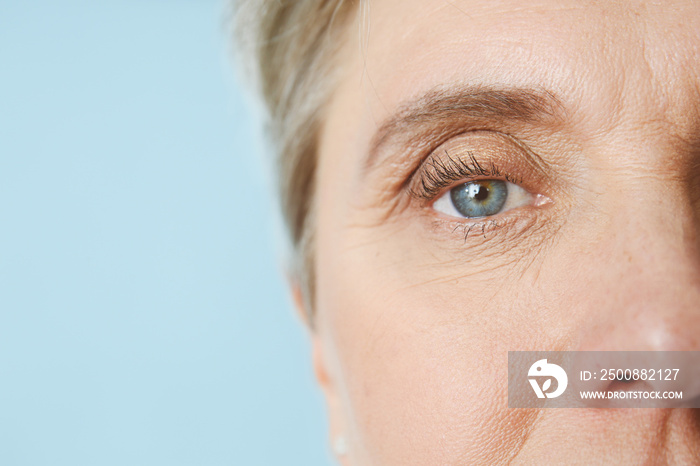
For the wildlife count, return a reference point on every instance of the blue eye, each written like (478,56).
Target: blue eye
(482,198)
(479,198)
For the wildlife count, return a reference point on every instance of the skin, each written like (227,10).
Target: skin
(413,321)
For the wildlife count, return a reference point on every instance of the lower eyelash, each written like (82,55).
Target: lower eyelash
(480,228)
(485,229)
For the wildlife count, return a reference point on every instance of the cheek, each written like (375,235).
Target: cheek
(421,349)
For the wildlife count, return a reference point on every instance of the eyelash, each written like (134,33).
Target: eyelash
(437,174)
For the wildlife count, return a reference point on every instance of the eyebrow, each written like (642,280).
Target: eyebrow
(476,107)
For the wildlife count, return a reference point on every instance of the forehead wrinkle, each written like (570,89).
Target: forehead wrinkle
(478,106)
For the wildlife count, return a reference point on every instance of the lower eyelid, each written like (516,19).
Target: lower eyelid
(483,231)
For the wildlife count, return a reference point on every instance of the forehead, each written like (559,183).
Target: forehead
(606,58)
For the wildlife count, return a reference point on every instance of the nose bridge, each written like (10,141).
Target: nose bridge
(654,209)
(649,269)
(654,231)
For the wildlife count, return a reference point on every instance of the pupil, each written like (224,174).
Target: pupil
(482,193)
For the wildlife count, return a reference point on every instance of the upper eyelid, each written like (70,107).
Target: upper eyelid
(447,173)
(488,153)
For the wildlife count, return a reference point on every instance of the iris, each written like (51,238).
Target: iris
(479,198)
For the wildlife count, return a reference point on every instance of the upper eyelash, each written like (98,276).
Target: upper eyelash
(437,174)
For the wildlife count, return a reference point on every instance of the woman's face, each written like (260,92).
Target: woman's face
(587,115)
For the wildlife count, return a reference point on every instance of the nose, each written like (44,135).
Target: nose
(642,291)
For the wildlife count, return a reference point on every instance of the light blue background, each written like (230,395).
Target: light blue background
(143,318)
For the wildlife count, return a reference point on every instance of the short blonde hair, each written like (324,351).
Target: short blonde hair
(289,48)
